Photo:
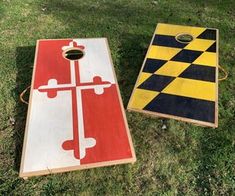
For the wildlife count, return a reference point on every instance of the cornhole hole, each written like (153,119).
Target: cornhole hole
(75,116)
(179,76)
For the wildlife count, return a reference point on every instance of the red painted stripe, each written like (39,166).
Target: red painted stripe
(77,73)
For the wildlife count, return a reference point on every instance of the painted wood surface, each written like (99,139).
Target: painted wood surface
(75,117)
(180,79)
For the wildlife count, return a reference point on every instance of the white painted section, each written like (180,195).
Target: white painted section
(96,60)
(98,88)
(52,83)
(50,124)
(67,47)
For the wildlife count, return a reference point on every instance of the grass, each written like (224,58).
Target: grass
(181,160)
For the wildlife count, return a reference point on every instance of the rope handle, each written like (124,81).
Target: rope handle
(225,74)
(22,95)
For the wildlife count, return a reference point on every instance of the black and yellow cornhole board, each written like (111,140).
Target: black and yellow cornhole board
(179,77)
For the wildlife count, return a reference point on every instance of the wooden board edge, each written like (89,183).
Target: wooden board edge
(28,111)
(74,168)
(72,38)
(142,67)
(161,115)
(187,26)
(121,103)
(217,80)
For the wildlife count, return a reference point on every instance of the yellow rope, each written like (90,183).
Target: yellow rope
(22,95)
(225,74)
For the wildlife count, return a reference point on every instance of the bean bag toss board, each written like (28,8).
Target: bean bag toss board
(179,76)
(75,116)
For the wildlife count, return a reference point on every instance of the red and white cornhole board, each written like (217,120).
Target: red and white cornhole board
(75,117)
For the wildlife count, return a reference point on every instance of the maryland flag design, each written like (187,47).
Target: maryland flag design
(179,79)
(75,116)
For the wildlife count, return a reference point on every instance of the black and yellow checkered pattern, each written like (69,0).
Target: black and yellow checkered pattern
(179,79)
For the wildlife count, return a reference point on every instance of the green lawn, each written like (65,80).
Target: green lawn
(181,160)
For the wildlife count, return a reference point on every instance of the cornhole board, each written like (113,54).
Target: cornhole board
(75,116)
(179,79)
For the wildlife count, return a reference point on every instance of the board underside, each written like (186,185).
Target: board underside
(75,117)
(179,80)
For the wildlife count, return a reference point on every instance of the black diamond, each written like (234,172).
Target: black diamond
(199,72)
(152,65)
(212,48)
(208,34)
(187,56)
(167,41)
(156,82)
(183,106)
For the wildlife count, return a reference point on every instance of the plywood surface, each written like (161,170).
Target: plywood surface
(180,80)
(75,117)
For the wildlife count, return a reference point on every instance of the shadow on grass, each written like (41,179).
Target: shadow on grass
(133,48)
(24,65)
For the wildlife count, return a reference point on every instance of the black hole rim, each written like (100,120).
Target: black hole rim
(73,54)
(184,38)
